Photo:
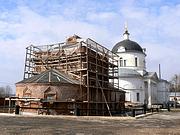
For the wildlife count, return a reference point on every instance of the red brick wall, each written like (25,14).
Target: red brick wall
(63,91)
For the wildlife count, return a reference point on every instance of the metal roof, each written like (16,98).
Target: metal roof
(51,75)
(128,46)
(124,72)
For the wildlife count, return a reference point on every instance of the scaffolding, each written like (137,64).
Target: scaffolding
(94,66)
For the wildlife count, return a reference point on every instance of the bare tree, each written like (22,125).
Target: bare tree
(175,83)
(5,91)
(2,92)
(8,90)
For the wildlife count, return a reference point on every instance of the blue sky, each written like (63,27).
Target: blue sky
(154,24)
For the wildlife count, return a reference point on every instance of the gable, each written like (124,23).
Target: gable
(155,77)
(151,75)
(51,75)
(49,90)
(27,91)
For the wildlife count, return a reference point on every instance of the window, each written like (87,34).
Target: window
(50,96)
(121,62)
(136,62)
(137,95)
(124,63)
(121,49)
(144,62)
(27,93)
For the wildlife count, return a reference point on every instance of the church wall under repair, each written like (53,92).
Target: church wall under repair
(92,72)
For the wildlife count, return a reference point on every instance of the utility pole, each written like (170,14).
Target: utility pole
(159,72)
(176,87)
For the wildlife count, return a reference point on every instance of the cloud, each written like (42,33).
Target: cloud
(103,16)
(33,28)
(165,56)
(157,30)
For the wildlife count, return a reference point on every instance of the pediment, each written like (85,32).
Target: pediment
(27,91)
(49,90)
(155,77)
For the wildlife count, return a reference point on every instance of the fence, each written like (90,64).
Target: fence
(77,111)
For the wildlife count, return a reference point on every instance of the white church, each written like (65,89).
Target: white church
(141,86)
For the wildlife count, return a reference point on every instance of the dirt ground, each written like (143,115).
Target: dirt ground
(166,123)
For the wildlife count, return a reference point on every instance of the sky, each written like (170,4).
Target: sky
(153,24)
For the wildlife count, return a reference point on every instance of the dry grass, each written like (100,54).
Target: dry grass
(158,124)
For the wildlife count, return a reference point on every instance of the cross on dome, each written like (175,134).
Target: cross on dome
(126,33)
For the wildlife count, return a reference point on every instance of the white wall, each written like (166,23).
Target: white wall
(154,97)
(130,60)
(133,86)
(163,92)
(153,93)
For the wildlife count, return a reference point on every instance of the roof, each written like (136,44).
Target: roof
(51,75)
(128,45)
(151,75)
(124,72)
(162,80)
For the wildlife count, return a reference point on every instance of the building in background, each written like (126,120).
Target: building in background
(141,86)
(174,97)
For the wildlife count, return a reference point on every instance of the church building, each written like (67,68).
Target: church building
(141,86)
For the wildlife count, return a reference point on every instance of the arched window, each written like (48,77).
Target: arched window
(50,94)
(144,62)
(124,63)
(136,62)
(121,62)
(138,97)
(27,92)
(121,49)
